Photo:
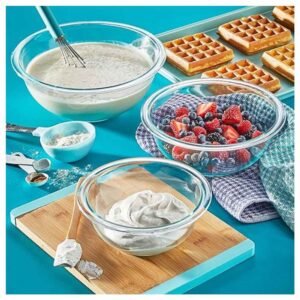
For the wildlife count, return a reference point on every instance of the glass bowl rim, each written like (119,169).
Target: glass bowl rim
(85,208)
(160,60)
(156,132)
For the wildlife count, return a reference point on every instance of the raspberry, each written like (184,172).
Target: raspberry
(242,155)
(180,111)
(232,115)
(256,133)
(179,153)
(199,130)
(211,126)
(190,139)
(244,127)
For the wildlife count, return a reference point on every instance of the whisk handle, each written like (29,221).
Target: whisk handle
(50,21)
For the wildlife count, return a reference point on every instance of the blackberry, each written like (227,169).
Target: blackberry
(219,115)
(214,137)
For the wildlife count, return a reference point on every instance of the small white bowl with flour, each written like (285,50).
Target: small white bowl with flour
(121,62)
(68,141)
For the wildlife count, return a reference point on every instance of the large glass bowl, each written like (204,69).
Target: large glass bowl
(214,160)
(95,104)
(117,180)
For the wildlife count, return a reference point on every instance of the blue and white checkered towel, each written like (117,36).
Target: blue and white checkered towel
(244,195)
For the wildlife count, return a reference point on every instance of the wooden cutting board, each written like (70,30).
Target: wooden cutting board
(212,247)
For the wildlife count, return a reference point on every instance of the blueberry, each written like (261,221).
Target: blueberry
(215,161)
(219,110)
(186,120)
(208,116)
(241,139)
(165,121)
(193,115)
(190,133)
(195,157)
(230,161)
(199,119)
(201,138)
(259,127)
(255,151)
(241,108)
(207,143)
(225,106)
(201,123)
(219,130)
(253,128)
(222,140)
(187,158)
(182,133)
(204,155)
(245,114)
(204,161)
(193,124)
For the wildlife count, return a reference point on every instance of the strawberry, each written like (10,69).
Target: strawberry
(204,108)
(231,141)
(256,133)
(229,132)
(179,119)
(170,133)
(180,111)
(232,115)
(244,127)
(242,155)
(223,155)
(179,153)
(211,126)
(177,127)
(199,130)
(190,139)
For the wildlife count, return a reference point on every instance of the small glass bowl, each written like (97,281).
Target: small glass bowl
(91,104)
(117,180)
(214,160)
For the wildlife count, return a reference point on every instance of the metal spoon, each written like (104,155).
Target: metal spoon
(39,165)
(33,178)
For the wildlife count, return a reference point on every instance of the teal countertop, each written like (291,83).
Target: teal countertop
(29,269)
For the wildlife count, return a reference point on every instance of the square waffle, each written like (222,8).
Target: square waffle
(246,71)
(195,53)
(285,15)
(281,60)
(254,33)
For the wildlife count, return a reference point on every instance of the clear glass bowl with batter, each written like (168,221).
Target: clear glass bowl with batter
(100,194)
(93,103)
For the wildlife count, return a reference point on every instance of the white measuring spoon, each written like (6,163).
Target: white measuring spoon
(39,165)
(69,153)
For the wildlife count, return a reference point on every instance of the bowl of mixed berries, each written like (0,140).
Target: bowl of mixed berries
(218,134)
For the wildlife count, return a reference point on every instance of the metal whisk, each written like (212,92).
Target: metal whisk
(71,57)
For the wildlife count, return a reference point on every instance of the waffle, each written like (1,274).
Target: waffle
(246,71)
(281,60)
(254,33)
(285,15)
(195,53)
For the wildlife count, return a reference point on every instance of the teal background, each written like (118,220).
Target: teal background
(29,270)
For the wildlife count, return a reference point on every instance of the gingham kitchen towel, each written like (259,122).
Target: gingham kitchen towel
(244,195)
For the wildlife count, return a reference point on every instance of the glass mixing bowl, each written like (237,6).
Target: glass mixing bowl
(209,159)
(117,180)
(95,104)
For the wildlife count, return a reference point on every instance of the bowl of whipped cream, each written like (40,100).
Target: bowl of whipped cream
(120,64)
(144,206)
